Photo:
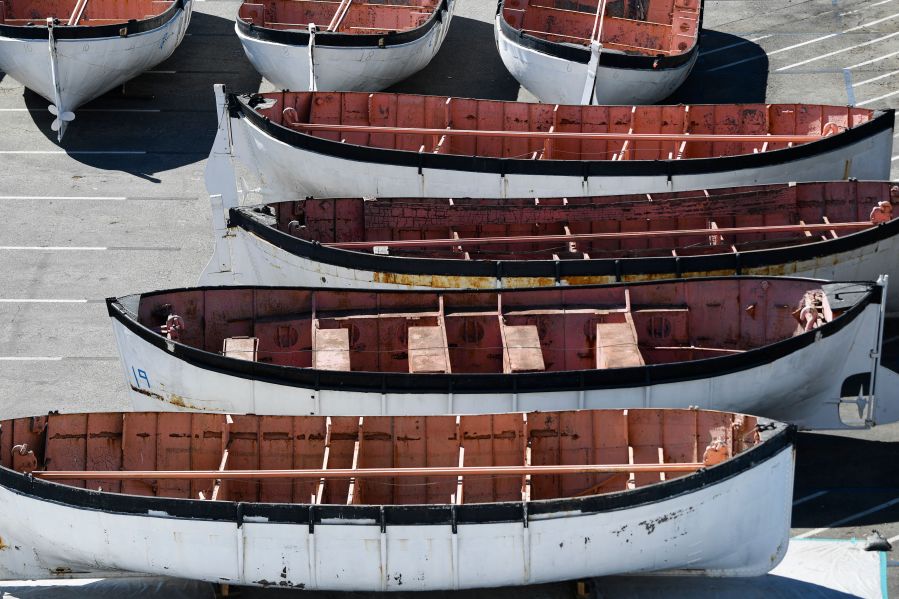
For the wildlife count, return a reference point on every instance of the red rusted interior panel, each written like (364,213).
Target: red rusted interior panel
(342,16)
(672,322)
(385,220)
(430,117)
(96,12)
(136,442)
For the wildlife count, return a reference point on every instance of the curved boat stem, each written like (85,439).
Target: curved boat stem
(62,116)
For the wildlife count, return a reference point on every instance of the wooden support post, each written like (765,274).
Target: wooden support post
(317,498)
(223,463)
(353,492)
(526,447)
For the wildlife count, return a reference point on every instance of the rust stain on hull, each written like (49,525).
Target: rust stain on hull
(173,398)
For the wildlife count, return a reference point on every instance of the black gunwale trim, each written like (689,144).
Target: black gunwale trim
(773,443)
(530,382)
(615,60)
(83,32)
(239,106)
(245,218)
(343,40)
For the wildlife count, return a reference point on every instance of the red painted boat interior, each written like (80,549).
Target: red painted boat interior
(341,16)
(79,12)
(543,329)
(140,442)
(652,28)
(298,109)
(753,208)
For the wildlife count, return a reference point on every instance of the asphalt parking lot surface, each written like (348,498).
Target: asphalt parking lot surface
(120,206)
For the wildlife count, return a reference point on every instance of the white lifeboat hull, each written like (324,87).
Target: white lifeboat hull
(243,258)
(555,80)
(343,68)
(737,526)
(286,171)
(802,387)
(89,67)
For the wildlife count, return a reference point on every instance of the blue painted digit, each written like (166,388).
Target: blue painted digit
(140,374)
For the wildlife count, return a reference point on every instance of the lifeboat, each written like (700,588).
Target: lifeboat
(599,51)
(341,44)
(350,144)
(732,343)
(839,230)
(73,52)
(397,503)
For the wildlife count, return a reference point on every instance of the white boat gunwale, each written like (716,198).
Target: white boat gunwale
(242,106)
(474,383)
(344,40)
(775,437)
(249,219)
(607,58)
(83,32)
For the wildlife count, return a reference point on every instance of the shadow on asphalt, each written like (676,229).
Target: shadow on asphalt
(858,473)
(183,131)
(468,60)
(741,83)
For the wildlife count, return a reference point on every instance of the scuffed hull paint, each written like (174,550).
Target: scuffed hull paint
(724,529)
(258,262)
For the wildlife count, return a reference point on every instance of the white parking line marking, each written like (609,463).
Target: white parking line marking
(873,60)
(92,198)
(30,358)
(801,44)
(75,152)
(41,301)
(873,79)
(40,110)
(867,7)
(878,98)
(840,51)
(894,158)
(849,518)
(810,497)
(740,43)
(53,248)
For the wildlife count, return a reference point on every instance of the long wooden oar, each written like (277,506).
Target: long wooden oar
(405,243)
(558,134)
(366,472)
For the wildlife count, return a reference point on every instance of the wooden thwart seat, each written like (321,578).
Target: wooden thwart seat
(331,349)
(616,345)
(241,348)
(521,349)
(427,350)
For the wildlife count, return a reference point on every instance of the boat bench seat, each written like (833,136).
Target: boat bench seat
(331,349)
(427,350)
(521,349)
(616,345)
(241,348)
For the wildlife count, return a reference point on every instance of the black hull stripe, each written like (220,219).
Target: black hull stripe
(781,439)
(530,382)
(345,40)
(245,218)
(64,32)
(239,107)
(581,54)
